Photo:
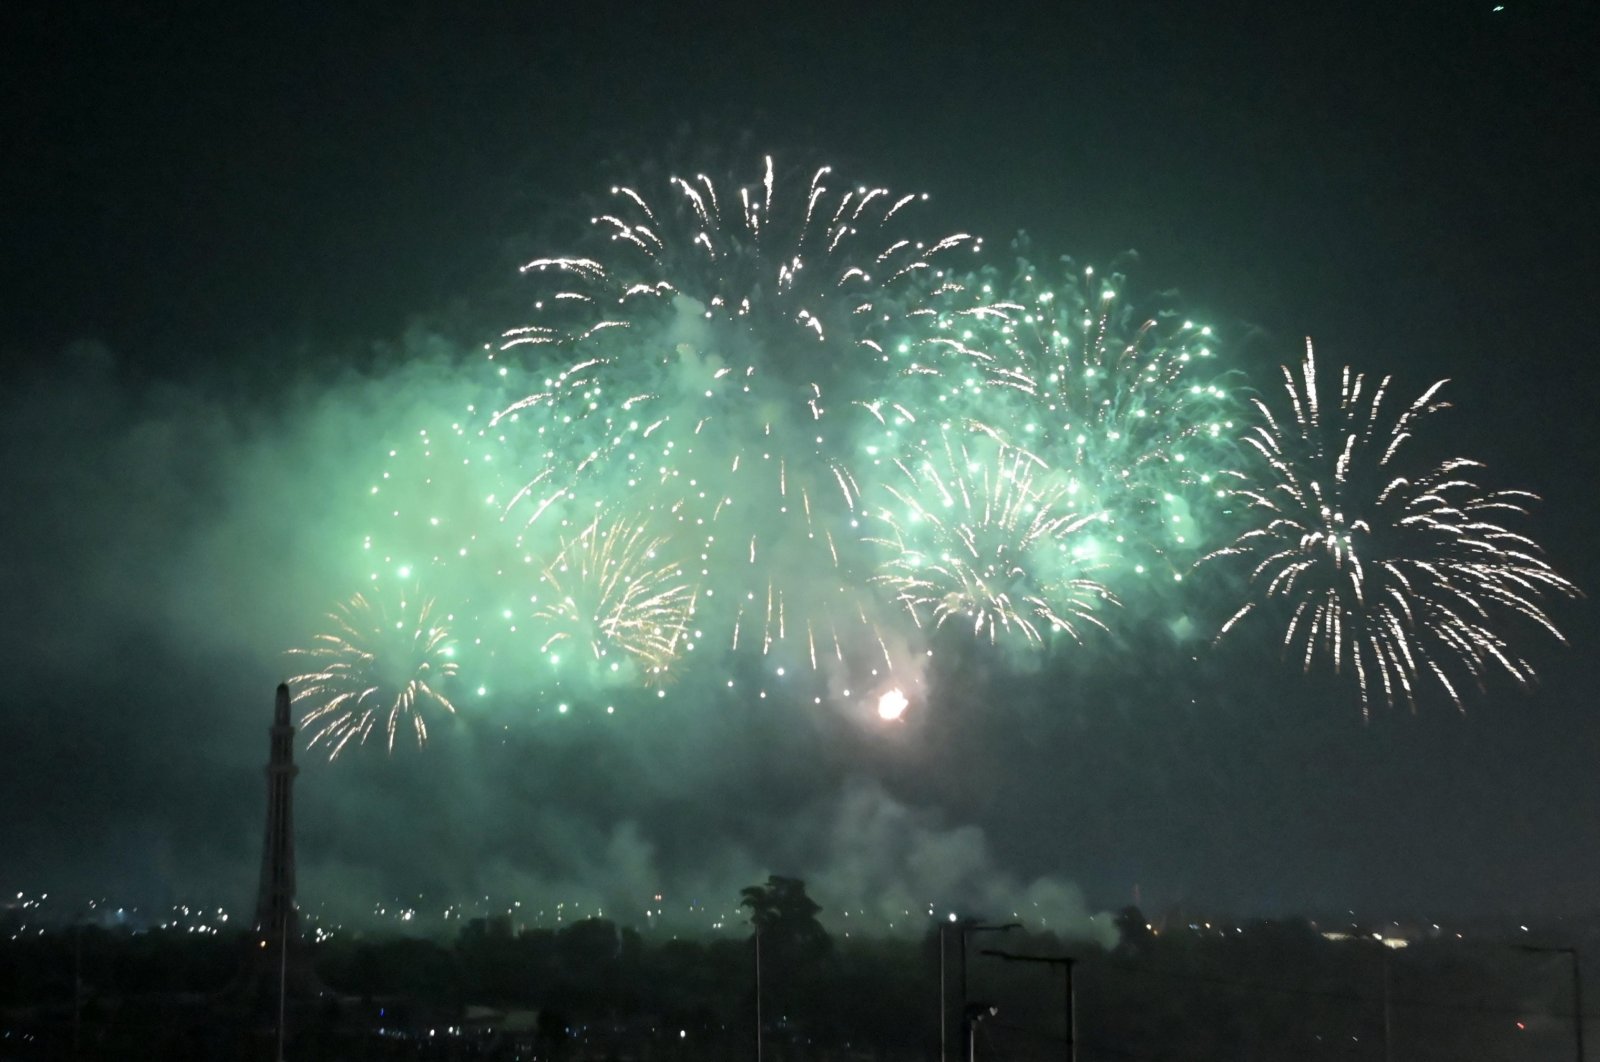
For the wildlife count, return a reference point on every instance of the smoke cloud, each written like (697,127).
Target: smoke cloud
(178,537)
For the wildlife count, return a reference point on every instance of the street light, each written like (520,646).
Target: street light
(757,926)
(1070,1008)
(971,1015)
(283,980)
(1577,988)
(944,996)
(968,926)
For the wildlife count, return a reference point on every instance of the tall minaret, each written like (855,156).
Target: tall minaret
(275,911)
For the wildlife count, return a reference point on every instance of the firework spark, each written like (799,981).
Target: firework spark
(830,436)
(1390,573)
(609,590)
(1132,404)
(375,664)
(978,531)
(728,366)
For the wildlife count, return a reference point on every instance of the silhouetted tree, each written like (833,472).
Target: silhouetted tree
(1132,929)
(786,917)
(588,945)
(792,946)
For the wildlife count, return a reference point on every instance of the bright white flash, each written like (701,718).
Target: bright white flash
(892,705)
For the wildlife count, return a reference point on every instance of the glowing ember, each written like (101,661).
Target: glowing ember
(892,705)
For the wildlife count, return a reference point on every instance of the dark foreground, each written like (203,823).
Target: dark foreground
(592,991)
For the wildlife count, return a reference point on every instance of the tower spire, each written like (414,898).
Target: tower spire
(275,966)
(275,908)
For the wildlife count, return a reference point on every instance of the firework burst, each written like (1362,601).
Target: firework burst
(728,362)
(978,532)
(767,418)
(1132,406)
(375,664)
(1391,573)
(609,591)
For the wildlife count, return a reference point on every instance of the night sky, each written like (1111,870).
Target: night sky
(225,234)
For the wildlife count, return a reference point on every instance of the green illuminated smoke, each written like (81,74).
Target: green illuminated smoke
(761,387)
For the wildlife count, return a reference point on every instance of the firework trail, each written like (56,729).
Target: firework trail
(1391,572)
(376,664)
(976,532)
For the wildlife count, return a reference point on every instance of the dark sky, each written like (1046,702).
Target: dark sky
(214,221)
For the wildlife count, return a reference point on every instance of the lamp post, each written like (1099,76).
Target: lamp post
(1069,1008)
(758,988)
(1388,1009)
(1577,989)
(944,995)
(283,981)
(971,1015)
(77,985)
(972,926)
